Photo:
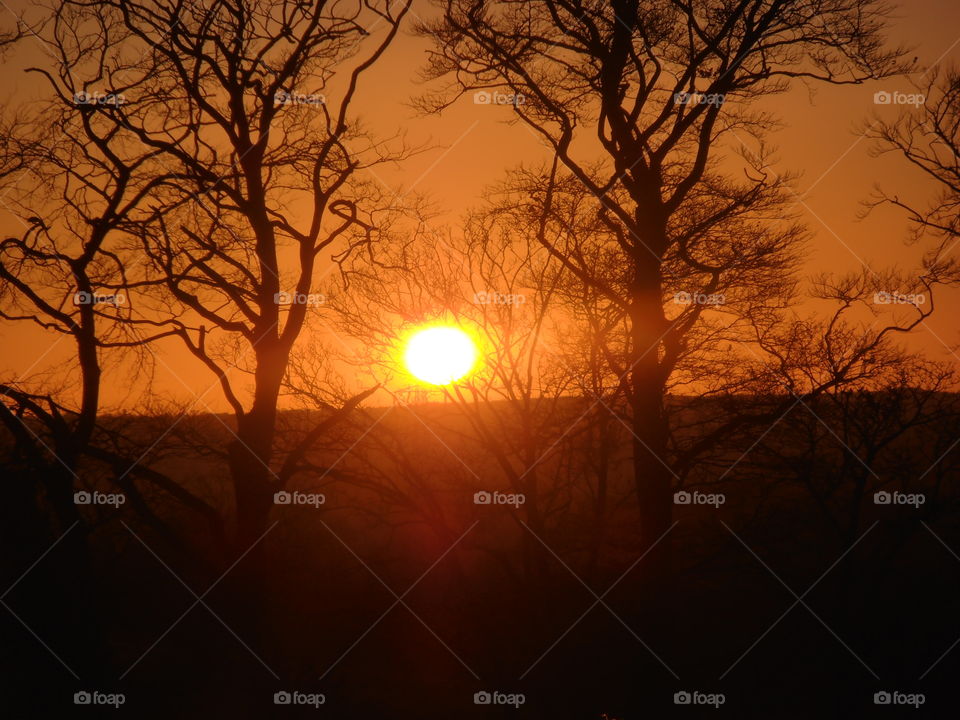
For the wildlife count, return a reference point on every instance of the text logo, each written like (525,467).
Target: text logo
(898,98)
(99,98)
(499,698)
(698,498)
(483,97)
(699,698)
(85,697)
(898,498)
(83,497)
(899,698)
(298,298)
(685,298)
(685,98)
(491,297)
(498,498)
(85,298)
(282,97)
(298,498)
(283,697)
(895,298)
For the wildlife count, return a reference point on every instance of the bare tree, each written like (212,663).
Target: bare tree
(928,139)
(247,108)
(72,182)
(657,91)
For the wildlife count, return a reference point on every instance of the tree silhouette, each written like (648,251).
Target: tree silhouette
(236,102)
(659,91)
(928,140)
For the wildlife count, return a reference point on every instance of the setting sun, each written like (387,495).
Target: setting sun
(440,355)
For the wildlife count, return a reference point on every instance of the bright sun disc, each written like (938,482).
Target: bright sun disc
(440,355)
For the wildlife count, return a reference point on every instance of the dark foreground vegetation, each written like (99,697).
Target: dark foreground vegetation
(791,592)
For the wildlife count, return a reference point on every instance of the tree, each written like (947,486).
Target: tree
(657,91)
(72,182)
(928,139)
(247,107)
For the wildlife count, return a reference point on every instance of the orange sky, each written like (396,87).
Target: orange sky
(817,140)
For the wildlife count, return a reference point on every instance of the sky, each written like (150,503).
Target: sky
(474,145)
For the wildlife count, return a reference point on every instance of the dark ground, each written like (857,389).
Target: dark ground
(770,603)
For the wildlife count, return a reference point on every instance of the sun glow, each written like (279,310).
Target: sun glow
(440,355)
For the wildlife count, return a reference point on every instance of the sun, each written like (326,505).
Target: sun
(440,355)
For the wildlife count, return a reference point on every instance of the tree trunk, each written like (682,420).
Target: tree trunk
(651,472)
(254,484)
(252,451)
